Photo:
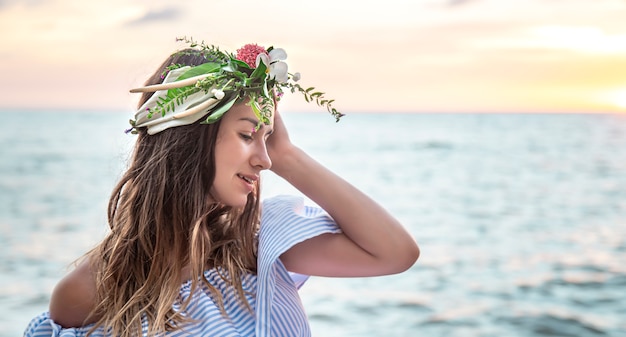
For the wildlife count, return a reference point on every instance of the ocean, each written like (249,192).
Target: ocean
(521,218)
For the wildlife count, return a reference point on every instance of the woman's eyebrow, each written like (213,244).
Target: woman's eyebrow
(255,123)
(251,120)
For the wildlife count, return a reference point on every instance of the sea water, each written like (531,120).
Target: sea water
(521,218)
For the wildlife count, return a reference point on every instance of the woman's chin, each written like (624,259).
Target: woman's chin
(239,202)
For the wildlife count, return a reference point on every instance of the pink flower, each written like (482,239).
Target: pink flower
(249,53)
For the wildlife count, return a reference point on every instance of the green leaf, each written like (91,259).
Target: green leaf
(239,64)
(239,74)
(219,112)
(259,72)
(265,92)
(205,68)
(255,108)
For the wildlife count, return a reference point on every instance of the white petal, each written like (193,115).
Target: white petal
(296,77)
(264,58)
(278,70)
(278,54)
(219,94)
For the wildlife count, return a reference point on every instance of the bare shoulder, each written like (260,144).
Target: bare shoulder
(73,297)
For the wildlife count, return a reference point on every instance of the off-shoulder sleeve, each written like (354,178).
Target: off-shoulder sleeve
(285,222)
(44,326)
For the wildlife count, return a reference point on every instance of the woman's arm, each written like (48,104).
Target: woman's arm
(73,298)
(372,243)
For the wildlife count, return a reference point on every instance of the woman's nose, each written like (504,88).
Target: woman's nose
(261,158)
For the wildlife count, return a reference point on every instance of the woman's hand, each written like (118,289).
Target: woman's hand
(279,146)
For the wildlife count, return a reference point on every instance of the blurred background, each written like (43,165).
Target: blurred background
(494,130)
(397,55)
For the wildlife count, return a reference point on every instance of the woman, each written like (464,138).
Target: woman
(191,251)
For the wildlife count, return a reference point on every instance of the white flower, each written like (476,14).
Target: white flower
(273,61)
(295,77)
(219,94)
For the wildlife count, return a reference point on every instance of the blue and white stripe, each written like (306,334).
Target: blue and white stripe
(277,309)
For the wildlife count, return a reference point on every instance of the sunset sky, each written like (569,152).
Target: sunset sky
(385,56)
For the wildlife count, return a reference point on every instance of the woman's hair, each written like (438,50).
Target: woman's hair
(163,218)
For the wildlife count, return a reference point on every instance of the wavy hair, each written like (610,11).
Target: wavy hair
(163,218)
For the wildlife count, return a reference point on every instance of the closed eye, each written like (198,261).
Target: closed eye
(245,136)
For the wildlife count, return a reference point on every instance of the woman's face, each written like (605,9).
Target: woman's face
(240,155)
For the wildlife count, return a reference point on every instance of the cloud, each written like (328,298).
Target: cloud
(165,14)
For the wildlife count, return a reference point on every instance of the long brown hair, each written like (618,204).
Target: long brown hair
(163,217)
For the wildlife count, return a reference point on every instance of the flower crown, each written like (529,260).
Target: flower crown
(189,93)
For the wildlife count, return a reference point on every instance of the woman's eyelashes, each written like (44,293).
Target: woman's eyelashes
(246,136)
(250,136)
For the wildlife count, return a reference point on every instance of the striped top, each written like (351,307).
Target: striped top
(272,292)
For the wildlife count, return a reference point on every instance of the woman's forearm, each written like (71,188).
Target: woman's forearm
(362,220)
